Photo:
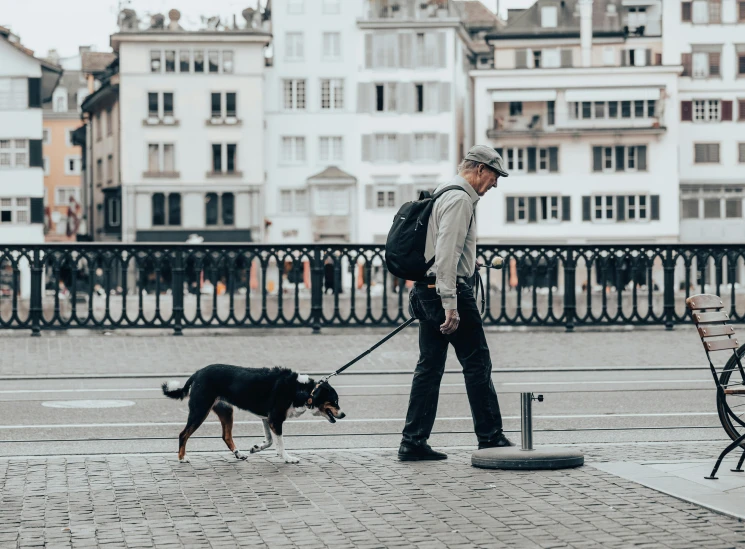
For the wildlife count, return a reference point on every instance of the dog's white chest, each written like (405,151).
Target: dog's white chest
(295,412)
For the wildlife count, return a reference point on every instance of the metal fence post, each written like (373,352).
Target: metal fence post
(570,298)
(669,289)
(316,289)
(35,309)
(526,420)
(177,290)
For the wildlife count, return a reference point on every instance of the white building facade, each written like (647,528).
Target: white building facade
(312,136)
(192,133)
(585,116)
(707,37)
(414,101)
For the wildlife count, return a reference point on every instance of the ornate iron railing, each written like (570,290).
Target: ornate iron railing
(109,286)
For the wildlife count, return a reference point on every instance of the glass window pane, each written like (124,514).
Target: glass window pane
(228,209)
(586,109)
(198,61)
(626,109)
(689,208)
(153,160)
(712,208)
(216,157)
(168,158)
(230,107)
(733,208)
(168,104)
(213,56)
(159,209)
(211,209)
(216,105)
(152,104)
(231,158)
(613,109)
(185,58)
(227,62)
(170,61)
(174,209)
(155,61)
(599,109)
(639,109)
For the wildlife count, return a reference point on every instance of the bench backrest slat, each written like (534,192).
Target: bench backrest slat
(721,344)
(720,330)
(704,301)
(707,318)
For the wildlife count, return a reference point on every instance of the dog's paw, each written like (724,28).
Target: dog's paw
(290,459)
(255,448)
(240,455)
(184,459)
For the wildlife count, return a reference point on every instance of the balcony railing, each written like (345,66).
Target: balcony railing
(60,286)
(408,9)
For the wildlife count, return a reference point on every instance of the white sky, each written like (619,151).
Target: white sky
(66,24)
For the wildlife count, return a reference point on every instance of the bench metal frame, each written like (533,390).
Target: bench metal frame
(707,312)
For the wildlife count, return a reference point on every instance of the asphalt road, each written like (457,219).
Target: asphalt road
(46,417)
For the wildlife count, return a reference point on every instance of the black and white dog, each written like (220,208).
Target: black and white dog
(274,395)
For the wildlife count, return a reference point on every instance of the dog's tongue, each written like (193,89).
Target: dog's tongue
(332,419)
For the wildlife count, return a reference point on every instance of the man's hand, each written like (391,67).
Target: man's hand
(451,321)
(479,265)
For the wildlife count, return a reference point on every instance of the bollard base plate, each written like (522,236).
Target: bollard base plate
(515,458)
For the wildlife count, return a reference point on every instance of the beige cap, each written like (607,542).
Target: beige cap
(490,157)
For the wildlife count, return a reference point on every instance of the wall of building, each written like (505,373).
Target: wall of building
(59,180)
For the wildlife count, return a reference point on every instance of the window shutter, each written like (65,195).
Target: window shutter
(624,58)
(37,210)
(369,51)
(521,59)
(402,98)
(686,111)
(445,97)
(586,208)
(510,209)
(686,62)
(726,111)
(363,97)
(641,158)
(620,208)
(658,59)
(34,93)
(620,150)
(406,193)
(405,43)
(532,209)
(714,60)
(444,147)
(685,12)
(566,58)
(741,110)
(655,214)
(369,197)
(714,152)
(442,50)
(403,143)
(367,145)
(648,57)
(699,155)
(431,96)
(553,159)
(566,208)
(35,159)
(531,159)
(597,159)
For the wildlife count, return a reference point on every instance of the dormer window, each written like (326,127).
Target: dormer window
(59,100)
(549,17)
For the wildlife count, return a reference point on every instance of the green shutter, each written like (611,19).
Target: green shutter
(553,159)
(532,210)
(586,208)
(37,210)
(566,208)
(620,208)
(620,157)
(655,207)
(641,155)
(36,159)
(531,159)
(597,159)
(34,93)
(510,209)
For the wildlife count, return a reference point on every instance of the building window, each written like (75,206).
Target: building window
(331,6)
(295,7)
(170,61)
(231,109)
(14,94)
(711,202)
(224,158)
(110,169)
(219,209)
(293,201)
(109,122)
(14,153)
(161,158)
(72,164)
(62,195)
(549,17)
(99,172)
(604,209)
(331,46)
(516,108)
(516,160)
(425,147)
(620,158)
(707,110)
(426,48)
(97,124)
(198,61)
(46,138)
(213,60)
(689,209)
(609,110)
(740,57)
(706,64)
(741,153)
(185,61)
(227,62)
(538,209)
(59,100)
(294,95)
(385,97)
(113,211)
(45,165)
(216,105)
(155,62)
(294,46)
(331,201)
(706,153)
(166,216)
(293,150)
(15,210)
(330,149)
(386,147)
(385,199)
(332,94)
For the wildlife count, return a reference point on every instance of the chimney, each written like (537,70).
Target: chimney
(84,49)
(53,57)
(585,31)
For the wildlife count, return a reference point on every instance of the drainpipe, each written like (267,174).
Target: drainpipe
(585,31)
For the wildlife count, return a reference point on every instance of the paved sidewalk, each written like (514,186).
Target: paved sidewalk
(341,499)
(133,352)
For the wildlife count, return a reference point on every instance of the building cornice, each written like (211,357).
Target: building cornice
(577,71)
(160,36)
(445,23)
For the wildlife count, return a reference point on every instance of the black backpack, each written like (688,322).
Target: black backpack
(404,249)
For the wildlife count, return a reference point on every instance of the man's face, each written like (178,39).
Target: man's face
(487,179)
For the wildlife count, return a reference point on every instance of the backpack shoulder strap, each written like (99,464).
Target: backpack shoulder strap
(446,189)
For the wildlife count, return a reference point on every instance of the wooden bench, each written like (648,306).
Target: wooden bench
(712,323)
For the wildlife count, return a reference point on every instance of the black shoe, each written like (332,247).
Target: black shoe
(500,442)
(423,452)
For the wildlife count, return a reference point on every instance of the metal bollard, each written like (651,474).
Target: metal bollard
(526,419)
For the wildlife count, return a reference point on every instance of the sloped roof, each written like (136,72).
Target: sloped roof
(475,14)
(330,173)
(95,61)
(605,21)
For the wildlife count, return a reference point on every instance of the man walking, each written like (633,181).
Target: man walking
(446,308)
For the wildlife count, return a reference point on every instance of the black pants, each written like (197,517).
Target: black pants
(472,351)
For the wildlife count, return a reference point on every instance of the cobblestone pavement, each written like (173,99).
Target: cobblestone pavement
(136,353)
(340,499)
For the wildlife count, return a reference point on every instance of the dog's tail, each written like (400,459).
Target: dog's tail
(172,390)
